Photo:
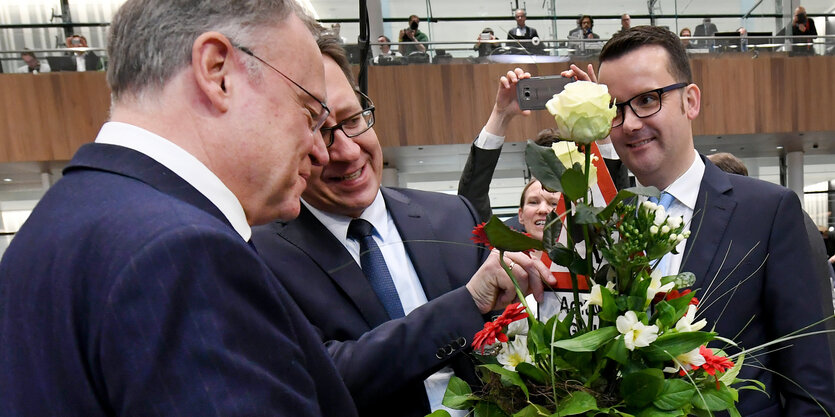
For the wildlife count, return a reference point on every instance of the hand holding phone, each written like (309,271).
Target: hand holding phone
(532,93)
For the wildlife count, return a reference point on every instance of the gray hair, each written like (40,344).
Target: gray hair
(151,40)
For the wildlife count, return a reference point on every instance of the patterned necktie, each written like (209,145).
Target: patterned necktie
(666,201)
(374,267)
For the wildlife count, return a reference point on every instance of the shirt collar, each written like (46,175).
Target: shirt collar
(686,187)
(337,224)
(182,163)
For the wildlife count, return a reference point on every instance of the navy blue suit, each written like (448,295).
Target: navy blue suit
(128,293)
(384,362)
(750,231)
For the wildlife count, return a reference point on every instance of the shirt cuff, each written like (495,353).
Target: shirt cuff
(489,141)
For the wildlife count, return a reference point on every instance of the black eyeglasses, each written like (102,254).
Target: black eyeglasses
(645,104)
(316,119)
(353,125)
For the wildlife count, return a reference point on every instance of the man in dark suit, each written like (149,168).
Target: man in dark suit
(747,248)
(131,289)
(83,59)
(396,351)
(523,32)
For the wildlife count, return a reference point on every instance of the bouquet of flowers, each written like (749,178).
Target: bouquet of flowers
(639,350)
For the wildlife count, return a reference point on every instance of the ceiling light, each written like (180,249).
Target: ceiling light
(7,179)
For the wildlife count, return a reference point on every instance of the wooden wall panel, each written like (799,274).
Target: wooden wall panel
(48,116)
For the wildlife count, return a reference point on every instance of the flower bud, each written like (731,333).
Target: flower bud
(665,229)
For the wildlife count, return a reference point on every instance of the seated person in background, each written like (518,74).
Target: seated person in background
(385,49)
(585,32)
(625,21)
(486,49)
(85,60)
(685,33)
(420,301)
(803,26)
(33,65)
(523,32)
(412,34)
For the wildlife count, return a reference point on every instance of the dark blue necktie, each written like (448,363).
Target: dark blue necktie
(374,266)
(666,201)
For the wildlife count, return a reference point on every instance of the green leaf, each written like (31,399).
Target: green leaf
(503,237)
(531,372)
(533,410)
(574,184)
(670,345)
(730,375)
(508,377)
(618,351)
(544,166)
(609,311)
(485,409)
(561,255)
(551,232)
(458,395)
(675,394)
(713,399)
(586,214)
(579,402)
(665,315)
(680,304)
(654,412)
(439,413)
(588,342)
(641,388)
(628,193)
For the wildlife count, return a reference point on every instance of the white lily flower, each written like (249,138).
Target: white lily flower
(513,353)
(635,333)
(518,327)
(660,215)
(675,221)
(594,297)
(653,229)
(649,205)
(685,323)
(665,229)
(655,286)
(687,361)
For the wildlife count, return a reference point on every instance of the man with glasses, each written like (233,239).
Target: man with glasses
(388,276)
(748,246)
(133,289)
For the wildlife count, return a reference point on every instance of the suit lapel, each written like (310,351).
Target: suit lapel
(421,244)
(130,163)
(313,238)
(710,221)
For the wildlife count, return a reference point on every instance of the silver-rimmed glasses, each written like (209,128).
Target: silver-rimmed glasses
(645,104)
(317,119)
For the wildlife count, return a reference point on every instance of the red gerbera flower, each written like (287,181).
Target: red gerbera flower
(492,330)
(480,236)
(714,363)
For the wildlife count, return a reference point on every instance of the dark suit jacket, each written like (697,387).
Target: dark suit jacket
(384,362)
(127,293)
(91,62)
(750,233)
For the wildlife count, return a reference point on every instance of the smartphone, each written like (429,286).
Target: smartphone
(484,36)
(532,93)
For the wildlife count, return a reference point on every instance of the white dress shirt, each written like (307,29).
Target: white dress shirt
(685,190)
(406,281)
(181,163)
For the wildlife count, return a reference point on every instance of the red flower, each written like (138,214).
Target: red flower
(714,363)
(512,312)
(480,236)
(493,329)
(672,295)
(487,336)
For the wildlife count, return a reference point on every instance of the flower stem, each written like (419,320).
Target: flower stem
(586,235)
(519,293)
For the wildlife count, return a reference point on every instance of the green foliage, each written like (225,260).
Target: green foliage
(711,399)
(670,345)
(544,166)
(675,395)
(588,342)
(505,238)
(458,395)
(576,403)
(573,184)
(641,388)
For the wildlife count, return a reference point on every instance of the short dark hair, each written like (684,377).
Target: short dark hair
(728,163)
(27,52)
(331,47)
(637,37)
(547,137)
(591,19)
(414,16)
(384,37)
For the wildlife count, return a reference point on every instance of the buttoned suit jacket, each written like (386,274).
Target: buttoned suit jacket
(384,362)
(749,251)
(128,293)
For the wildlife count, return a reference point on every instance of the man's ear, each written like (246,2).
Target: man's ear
(692,101)
(211,63)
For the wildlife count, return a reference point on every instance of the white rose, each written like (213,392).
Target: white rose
(568,154)
(583,112)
